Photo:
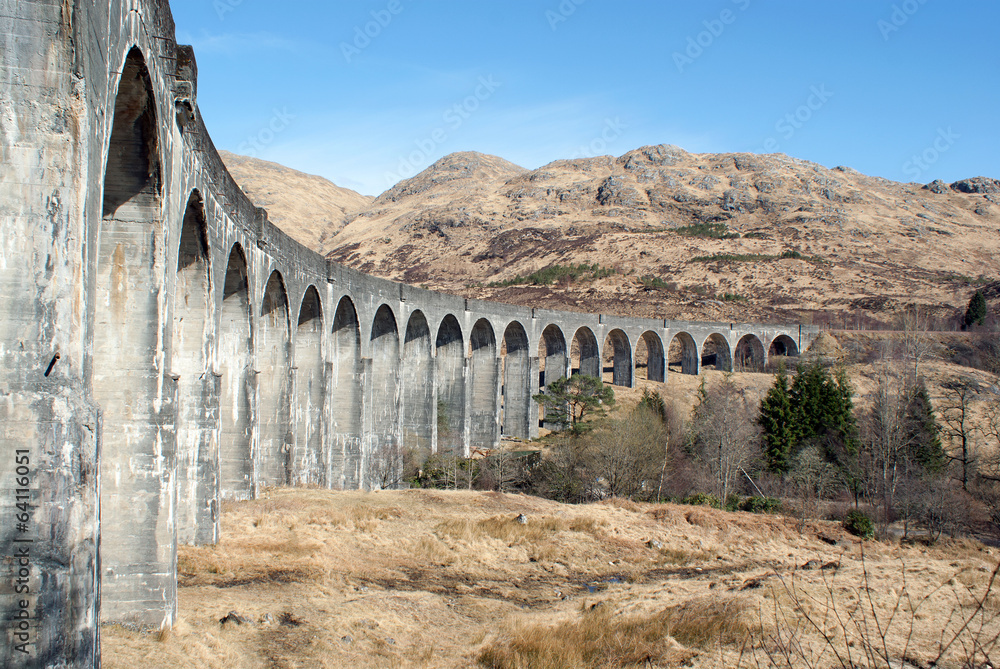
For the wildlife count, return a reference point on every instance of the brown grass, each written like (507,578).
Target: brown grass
(600,637)
(428,579)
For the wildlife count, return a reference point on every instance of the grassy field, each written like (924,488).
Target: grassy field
(452,579)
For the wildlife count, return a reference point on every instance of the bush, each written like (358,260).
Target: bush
(859,524)
(703,499)
(761,505)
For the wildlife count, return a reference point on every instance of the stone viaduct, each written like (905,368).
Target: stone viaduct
(164,346)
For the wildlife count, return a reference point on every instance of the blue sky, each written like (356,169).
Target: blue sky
(370,91)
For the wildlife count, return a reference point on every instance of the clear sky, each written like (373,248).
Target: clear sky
(369,91)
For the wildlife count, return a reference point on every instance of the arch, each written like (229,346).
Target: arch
(418,387)
(483,376)
(553,360)
(782,346)
(273,382)
(750,354)
(649,353)
(310,381)
(516,394)
(190,359)
(385,456)
(346,392)
(682,355)
(618,351)
(585,354)
(715,353)
(137,567)
(235,348)
(450,401)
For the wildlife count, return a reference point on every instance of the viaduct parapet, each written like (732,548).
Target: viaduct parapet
(165,347)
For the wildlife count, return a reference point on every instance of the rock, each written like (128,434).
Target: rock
(977,185)
(655,544)
(809,566)
(937,186)
(266,619)
(346,640)
(521,519)
(614,192)
(233,617)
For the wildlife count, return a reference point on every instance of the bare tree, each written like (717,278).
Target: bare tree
(956,415)
(726,434)
(626,454)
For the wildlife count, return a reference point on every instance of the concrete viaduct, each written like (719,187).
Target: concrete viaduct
(164,346)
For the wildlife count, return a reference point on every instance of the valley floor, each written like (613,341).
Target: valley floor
(427,578)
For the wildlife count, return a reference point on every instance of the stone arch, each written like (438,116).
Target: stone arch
(483,376)
(750,354)
(346,394)
(618,352)
(418,387)
(585,353)
(273,383)
(715,353)
(516,395)
(190,358)
(682,355)
(649,354)
(553,357)
(310,381)
(450,399)
(137,568)
(782,346)
(385,456)
(236,479)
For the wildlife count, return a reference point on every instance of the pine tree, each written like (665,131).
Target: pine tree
(824,410)
(777,420)
(923,432)
(975,314)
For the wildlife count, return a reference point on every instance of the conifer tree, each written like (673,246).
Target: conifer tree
(777,420)
(923,434)
(975,314)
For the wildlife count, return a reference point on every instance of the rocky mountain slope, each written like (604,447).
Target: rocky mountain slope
(666,233)
(309,208)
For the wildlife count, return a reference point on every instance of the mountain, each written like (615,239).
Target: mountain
(666,233)
(309,208)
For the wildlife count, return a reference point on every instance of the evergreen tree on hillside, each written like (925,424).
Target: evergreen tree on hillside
(923,434)
(817,408)
(777,420)
(824,409)
(975,314)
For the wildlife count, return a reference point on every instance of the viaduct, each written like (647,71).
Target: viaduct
(164,346)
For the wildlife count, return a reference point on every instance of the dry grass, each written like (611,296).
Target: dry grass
(600,637)
(428,579)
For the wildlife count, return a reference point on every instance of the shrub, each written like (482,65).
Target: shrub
(761,505)
(859,524)
(703,499)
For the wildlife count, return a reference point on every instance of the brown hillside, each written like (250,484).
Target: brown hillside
(860,246)
(309,208)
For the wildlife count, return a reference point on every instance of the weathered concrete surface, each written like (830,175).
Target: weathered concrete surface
(163,346)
